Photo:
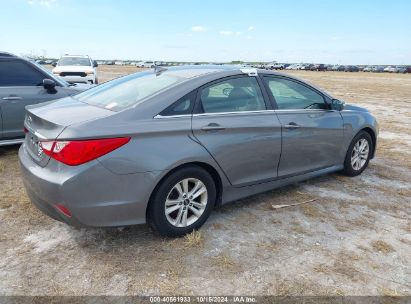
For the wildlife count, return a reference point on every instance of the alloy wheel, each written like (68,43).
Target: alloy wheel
(359,154)
(186,202)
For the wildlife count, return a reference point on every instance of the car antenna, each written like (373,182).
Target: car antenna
(158,70)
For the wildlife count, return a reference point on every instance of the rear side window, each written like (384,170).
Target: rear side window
(17,73)
(289,95)
(233,95)
(182,106)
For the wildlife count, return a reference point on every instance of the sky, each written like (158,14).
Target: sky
(317,31)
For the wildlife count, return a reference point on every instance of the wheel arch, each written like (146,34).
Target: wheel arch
(205,166)
(373,138)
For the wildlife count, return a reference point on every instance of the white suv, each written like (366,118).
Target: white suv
(146,64)
(77,69)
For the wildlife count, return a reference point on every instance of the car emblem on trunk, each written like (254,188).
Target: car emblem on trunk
(39,150)
(29,119)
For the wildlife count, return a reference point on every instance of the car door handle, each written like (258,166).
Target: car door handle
(292,125)
(213,127)
(12,97)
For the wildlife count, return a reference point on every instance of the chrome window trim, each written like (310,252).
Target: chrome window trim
(215,114)
(301,110)
(243,112)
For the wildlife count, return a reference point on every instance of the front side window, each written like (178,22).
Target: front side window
(76,61)
(289,94)
(233,95)
(17,73)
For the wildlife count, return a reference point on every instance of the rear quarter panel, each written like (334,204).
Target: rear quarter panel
(157,144)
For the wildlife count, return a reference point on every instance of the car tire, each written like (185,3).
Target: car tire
(173,224)
(358,156)
(96,81)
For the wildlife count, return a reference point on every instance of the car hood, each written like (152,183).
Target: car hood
(72,68)
(349,107)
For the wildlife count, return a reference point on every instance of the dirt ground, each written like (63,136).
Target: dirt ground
(353,239)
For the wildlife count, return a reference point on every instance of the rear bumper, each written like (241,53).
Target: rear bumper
(95,196)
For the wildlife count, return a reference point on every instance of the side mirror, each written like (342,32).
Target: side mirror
(95,64)
(54,64)
(49,84)
(337,105)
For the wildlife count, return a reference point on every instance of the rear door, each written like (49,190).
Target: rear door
(20,85)
(232,121)
(312,133)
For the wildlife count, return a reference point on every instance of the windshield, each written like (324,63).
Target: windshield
(77,61)
(124,92)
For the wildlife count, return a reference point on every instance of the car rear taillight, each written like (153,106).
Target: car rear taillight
(63,210)
(25,130)
(77,152)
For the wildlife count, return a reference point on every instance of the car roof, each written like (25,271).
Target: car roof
(6,54)
(79,56)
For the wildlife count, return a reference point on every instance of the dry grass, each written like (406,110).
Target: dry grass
(269,246)
(387,292)
(194,240)
(382,246)
(311,211)
(225,262)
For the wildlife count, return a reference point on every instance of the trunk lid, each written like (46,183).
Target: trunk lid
(46,121)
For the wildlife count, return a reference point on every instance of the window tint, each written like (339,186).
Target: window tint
(233,95)
(289,94)
(183,106)
(15,73)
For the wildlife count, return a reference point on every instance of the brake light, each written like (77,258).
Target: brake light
(63,210)
(74,153)
(25,130)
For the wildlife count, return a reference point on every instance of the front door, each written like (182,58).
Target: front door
(312,133)
(234,125)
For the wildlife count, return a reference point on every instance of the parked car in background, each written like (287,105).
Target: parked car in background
(294,66)
(402,69)
(146,64)
(167,147)
(314,67)
(368,68)
(378,69)
(341,68)
(390,69)
(77,69)
(351,68)
(278,66)
(22,83)
(318,67)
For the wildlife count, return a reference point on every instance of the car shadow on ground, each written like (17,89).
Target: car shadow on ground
(4,150)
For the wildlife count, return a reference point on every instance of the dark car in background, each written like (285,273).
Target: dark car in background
(22,83)
(351,68)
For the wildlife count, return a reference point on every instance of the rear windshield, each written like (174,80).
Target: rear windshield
(77,61)
(124,92)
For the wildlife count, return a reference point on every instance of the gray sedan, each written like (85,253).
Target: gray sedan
(167,146)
